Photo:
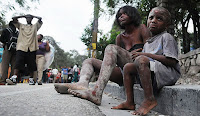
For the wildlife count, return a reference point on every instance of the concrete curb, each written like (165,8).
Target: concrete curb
(177,100)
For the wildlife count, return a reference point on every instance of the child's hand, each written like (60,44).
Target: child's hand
(135,54)
(138,50)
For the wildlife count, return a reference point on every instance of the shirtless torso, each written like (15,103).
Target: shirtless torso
(133,38)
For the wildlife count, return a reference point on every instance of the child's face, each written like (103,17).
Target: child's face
(123,18)
(156,21)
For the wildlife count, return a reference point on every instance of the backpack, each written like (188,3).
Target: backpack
(12,40)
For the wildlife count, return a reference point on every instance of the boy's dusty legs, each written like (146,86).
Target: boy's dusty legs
(90,66)
(109,62)
(129,79)
(145,78)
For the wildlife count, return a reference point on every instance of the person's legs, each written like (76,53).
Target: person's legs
(30,59)
(92,65)
(5,65)
(19,65)
(144,72)
(65,78)
(20,62)
(13,61)
(40,60)
(130,72)
(89,66)
(113,55)
(75,79)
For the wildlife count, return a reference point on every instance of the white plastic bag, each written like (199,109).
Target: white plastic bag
(49,57)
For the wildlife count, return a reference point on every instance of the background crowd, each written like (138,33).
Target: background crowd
(24,56)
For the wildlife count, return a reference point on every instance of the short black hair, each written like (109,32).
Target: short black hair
(132,12)
(28,16)
(41,36)
(11,24)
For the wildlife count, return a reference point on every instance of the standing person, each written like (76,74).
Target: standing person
(49,73)
(75,72)
(44,76)
(133,38)
(65,74)
(40,58)
(27,44)
(70,74)
(62,76)
(156,66)
(58,77)
(9,39)
(54,73)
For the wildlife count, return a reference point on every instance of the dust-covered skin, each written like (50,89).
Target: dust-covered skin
(63,88)
(90,66)
(88,94)
(113,55)
(85,75)
(158,21)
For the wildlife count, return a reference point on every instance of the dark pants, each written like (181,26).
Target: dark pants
(75,79)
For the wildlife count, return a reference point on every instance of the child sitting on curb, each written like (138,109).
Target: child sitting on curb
(155,67)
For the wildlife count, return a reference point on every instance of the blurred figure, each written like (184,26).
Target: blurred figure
(54,74)
(40,58)
(58,77)
(65,74)
(75,71)
(70,74)
(9,39)
(27,45)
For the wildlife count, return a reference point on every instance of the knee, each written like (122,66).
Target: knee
(128,68)
(88,60)
(111,48)
(141,61)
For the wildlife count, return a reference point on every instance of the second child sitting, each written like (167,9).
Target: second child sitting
(155,67)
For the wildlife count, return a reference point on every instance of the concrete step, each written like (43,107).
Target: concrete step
(177,100)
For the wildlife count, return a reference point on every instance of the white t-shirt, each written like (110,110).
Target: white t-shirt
(55,71)
(163,44)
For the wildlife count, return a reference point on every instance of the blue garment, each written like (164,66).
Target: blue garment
(65,71)
(1,53)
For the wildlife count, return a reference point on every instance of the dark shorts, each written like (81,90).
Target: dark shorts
(136,46)
(154,83)
(28,58)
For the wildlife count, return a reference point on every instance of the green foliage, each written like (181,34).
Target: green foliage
(144,7)
(86,37)
(106,40)
(186,11)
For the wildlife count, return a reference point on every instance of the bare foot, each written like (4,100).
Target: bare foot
(63,88)
(145,107)
(125,106)
(87,94)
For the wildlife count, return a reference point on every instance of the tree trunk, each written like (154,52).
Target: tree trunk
(95,27)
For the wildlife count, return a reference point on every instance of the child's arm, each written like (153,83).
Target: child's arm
(168,61)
